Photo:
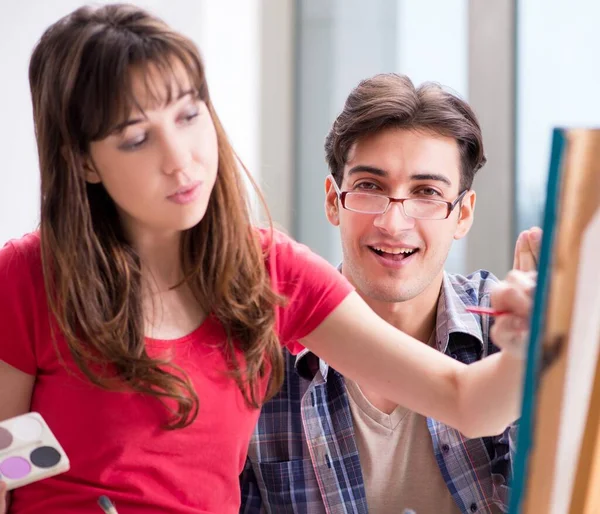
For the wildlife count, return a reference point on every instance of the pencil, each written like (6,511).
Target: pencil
(106,505)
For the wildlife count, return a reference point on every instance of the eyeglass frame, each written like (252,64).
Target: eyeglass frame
(342,196)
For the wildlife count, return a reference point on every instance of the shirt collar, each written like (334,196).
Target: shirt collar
(457,293)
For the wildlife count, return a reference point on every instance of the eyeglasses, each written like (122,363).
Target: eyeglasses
(417,208)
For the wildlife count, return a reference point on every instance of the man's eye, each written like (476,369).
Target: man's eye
(429,191)
(368,186)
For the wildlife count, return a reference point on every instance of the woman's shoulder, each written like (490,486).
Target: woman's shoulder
(276,242)
(272,235)
(289,260)
(312,286)
(22,256)
(24,323)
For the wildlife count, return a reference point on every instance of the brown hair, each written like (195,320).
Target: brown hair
(80,78)
(391,100)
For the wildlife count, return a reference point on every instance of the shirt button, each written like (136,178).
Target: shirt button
(454,356)
(446,449)
(473,507)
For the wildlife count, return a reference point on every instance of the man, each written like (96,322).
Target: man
(402,162)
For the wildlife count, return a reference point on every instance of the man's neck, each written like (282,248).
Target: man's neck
(415,317)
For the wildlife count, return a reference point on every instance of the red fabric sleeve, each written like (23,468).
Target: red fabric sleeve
(19,299)
(312,286)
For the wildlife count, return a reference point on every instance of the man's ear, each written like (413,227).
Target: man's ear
(331,203)
(465,215)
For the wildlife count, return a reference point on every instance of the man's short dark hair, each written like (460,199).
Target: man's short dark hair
(391,101)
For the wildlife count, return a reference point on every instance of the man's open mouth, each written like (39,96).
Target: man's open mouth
(396,254)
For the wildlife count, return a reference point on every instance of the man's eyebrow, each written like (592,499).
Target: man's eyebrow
(134,121)
(363,168)
(432,176)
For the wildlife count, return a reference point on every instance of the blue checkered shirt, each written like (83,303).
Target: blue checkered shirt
(303,456)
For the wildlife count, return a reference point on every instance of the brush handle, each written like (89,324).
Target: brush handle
(486,310)
(106,505)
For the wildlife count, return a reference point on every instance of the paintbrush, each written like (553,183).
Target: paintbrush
(106,505)
(485,310)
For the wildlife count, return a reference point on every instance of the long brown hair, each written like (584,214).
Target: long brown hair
(391,100)
(80,78)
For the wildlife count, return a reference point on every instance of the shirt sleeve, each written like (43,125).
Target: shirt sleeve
(313,289)
(17,304)
(501,465)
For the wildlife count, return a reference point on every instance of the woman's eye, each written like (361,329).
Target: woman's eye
(134,143)
(190,116)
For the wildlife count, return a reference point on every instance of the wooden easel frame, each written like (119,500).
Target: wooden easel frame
(572,201)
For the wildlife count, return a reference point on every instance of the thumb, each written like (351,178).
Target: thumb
(3,494)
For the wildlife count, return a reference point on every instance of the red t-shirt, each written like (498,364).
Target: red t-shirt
(115,440)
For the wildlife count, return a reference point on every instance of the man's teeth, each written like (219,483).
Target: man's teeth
(394,251)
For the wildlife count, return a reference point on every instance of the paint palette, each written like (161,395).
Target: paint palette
(29,451)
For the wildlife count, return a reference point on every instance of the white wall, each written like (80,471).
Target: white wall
(439,53)
(558,85)
(228,36)
(227,32)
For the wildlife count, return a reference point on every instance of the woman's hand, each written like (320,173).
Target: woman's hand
(3,498)
(514,295)
(527,250)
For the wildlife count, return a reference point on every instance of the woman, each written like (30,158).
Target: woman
(145,319)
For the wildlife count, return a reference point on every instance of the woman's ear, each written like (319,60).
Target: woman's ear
(91,175)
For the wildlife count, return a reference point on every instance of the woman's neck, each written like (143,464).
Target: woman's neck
(160,260)
(169,312)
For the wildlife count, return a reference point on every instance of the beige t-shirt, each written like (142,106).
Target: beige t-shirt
(397,460)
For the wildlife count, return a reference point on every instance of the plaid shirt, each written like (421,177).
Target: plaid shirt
(303,456)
